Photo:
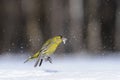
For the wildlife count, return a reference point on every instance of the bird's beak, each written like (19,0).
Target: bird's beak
(64,40)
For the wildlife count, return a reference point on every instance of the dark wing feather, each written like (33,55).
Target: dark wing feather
(37,61)
(40,62)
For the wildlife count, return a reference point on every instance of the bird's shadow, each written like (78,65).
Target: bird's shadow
(51,71)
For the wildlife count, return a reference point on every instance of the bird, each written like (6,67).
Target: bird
(47,49)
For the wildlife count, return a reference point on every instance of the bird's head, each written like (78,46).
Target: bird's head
(63,39)
(60,39)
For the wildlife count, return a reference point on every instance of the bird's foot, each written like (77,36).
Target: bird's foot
(49,59)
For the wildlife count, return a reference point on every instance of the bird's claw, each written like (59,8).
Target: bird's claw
(49,59)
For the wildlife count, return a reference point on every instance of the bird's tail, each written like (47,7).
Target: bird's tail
(32,57)
(28,59)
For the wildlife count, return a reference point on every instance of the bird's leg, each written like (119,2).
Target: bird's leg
(49,59)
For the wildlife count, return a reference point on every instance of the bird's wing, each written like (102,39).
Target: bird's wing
(46,46)
(40,62)
(47,43)
(37,61)
(42,51)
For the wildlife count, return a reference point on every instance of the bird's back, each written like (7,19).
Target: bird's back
(50,46)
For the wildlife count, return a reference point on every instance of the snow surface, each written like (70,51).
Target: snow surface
(73,68)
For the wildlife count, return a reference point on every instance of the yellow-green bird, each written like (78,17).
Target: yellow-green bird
(48,48)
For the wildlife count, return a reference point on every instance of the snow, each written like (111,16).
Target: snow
(72,68)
